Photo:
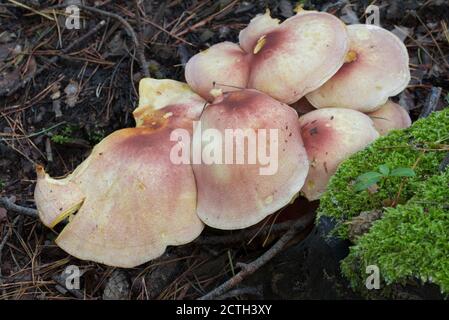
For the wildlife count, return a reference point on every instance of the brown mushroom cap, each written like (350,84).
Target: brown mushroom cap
(222,66)
(128,195)
(299,56)
(259,26)
(377,69)
(286,60)
(330,136)
(390,116)
(235,196)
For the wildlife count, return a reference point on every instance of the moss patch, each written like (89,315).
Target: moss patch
(415,147)
(411,241)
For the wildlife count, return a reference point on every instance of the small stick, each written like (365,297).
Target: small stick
(250,268)
(9,205)
(143,62)
(140,48)
(246,235)
(431,102)
(256,292)
(5,239)
(21,84)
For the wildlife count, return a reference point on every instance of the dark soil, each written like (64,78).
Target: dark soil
(39,125)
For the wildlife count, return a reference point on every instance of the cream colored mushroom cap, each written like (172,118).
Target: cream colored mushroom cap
(377,69)
(299,56)
(330,136)
(131,200)
(223,64)
(236,196)
(390,116)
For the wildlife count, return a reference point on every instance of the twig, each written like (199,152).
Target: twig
(9,205)
(250,268)
(207,20)
(19,4)
(431,102)
(142,61)
(5,239)
(140,48)
(245,235)
(21,84)
(256,292)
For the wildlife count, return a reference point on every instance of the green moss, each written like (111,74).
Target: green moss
(411,240)
(402,148)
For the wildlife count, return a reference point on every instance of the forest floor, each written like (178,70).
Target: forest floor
(61,93)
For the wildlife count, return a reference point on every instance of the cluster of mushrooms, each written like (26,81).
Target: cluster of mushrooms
(131,201)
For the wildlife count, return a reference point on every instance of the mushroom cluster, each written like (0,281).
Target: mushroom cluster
(129,200)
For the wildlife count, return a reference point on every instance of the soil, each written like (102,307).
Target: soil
(90,91)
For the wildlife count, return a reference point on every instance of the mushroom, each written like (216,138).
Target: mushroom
(286,60)
(223,66)
(376,68)
(131,200)
(259,26)
(235,194)
(390,116)
(299,56)
(330,136)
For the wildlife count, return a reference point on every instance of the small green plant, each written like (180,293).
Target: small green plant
(64,136)
(368,179)
(2,184)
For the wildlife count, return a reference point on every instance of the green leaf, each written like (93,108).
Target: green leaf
(365,184)
(368,176)
(366,180)
(383,168)
(402,172)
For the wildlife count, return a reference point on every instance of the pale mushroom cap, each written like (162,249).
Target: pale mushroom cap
(235,196)
(134,203)
(163,94)
(299,56)
(390,116)
(330,136)
(128,197)
(378,70)
(259,25)
(224,64)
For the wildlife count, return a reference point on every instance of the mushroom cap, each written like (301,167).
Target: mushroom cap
(258,26)
(223,64)
(390,116)
(235,196)
(299,56)
(378,69)
(129,200)
(330,136)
